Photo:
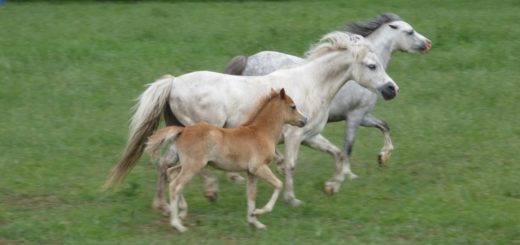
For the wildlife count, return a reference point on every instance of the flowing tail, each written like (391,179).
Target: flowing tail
(148,110)
(236,66)
(159,138)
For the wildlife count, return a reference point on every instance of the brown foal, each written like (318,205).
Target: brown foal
(248,148)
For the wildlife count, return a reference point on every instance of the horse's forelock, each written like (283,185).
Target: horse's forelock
(365,29)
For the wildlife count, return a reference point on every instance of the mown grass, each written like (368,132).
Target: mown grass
(70,72)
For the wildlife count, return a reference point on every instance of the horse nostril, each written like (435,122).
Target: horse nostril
(391,88)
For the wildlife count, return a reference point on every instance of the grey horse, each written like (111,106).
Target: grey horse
(387,33)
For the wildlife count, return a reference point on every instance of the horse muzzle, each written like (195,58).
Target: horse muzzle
(425,46)
(302,122)
(388,91)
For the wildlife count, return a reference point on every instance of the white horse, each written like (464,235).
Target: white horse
(353,103)
(225,100)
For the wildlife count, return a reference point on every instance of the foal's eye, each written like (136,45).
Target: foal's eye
(410,33)
(393,27)
(293,107)
(371,67)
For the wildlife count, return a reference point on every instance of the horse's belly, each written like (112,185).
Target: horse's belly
(226,166)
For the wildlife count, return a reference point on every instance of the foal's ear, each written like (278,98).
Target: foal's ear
(282,93)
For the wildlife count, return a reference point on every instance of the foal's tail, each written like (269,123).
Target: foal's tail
(150,105)
(236,66)
(162,136)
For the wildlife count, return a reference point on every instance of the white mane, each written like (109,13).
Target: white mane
(334,41)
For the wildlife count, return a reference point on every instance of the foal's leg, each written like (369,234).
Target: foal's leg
(371,121)
(320,143)
(251,199)
(159,202)
(176,186)
(292,146)
(266,174)
(172,173)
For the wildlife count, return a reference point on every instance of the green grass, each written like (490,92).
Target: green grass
(70,72)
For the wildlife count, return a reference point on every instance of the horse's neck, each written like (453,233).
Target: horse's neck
(268,122)
(382,45)
(327,74)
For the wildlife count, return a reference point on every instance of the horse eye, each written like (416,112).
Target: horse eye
(371,67)
(393,27)
(410,32)
(293,107)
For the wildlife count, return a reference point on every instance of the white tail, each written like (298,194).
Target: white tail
(148,110)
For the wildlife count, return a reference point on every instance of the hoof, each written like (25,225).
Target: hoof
(331,187)
(329,190)
(212,196)
(178,226)
(352,176)
(294,202)
(383,158)
(236,178)
(256,224)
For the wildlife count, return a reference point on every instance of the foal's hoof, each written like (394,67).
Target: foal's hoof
(256,224)
(178,226)
(212,196)
(294,202)
(383,158)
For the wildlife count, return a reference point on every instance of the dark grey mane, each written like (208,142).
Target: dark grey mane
(365,29)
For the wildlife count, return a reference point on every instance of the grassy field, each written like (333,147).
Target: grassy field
(69,73)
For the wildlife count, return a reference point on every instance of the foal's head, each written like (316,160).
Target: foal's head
(290,113)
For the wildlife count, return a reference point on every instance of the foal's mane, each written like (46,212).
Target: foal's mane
(334,41)
(365,29)
(262,103)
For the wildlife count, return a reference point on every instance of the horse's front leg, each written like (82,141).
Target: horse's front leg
(292,146)
(371,121)
(265,173)
(320,143)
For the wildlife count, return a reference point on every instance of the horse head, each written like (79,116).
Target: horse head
(369,72)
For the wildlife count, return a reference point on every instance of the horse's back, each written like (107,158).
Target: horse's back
(216,98)
(265,62)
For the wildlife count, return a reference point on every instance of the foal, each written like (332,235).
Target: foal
(249,148)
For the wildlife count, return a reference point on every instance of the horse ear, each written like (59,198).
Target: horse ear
(282,93)
(362,52)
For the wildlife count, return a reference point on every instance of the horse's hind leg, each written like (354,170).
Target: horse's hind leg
(265,173)
(210,185)
(371,121)
(159,202)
